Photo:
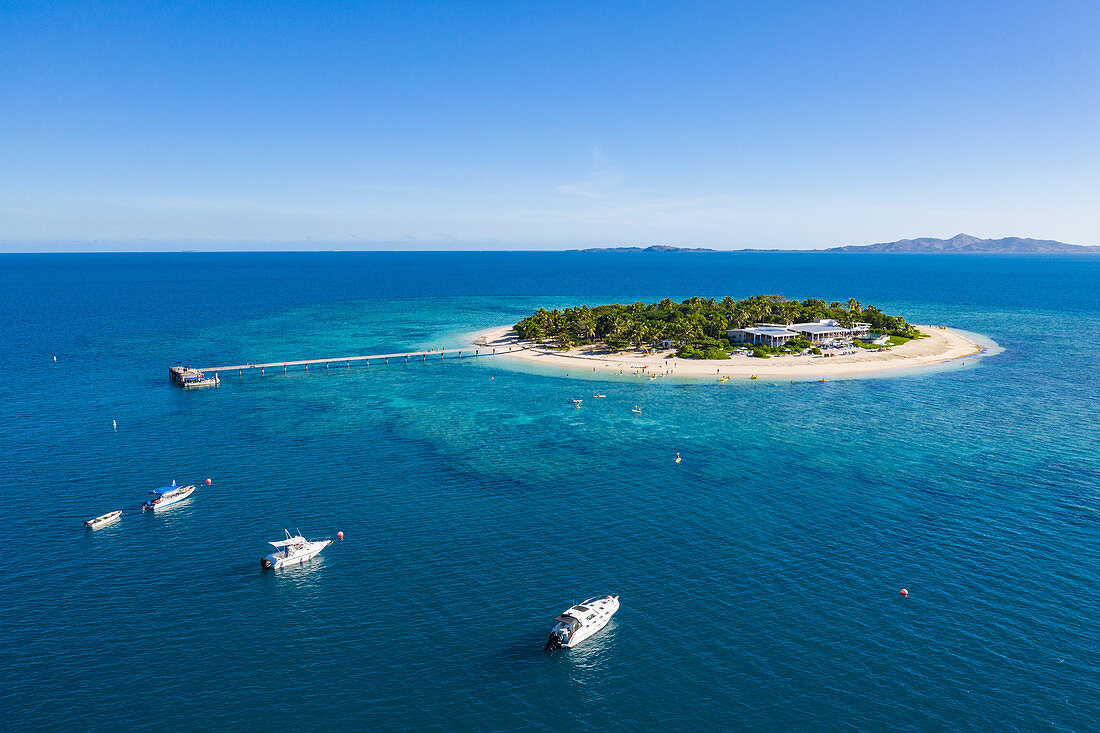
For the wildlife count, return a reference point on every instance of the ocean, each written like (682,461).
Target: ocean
(759,578)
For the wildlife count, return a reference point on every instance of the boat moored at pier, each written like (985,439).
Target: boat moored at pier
(166,496)
(581,621)
(293,550)
(187,377)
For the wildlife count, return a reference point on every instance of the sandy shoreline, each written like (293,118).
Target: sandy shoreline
(942,345)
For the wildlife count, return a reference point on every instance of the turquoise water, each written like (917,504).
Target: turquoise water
(759,578)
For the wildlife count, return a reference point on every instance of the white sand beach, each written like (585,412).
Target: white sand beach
(941,345)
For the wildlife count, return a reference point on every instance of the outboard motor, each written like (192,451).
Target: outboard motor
(265,562)
(557,639)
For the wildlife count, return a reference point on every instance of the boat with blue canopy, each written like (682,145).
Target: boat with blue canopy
(166,496)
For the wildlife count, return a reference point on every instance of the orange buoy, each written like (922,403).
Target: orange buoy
(339,535)
(904,592)
(208,482)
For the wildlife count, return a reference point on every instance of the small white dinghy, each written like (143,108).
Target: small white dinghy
(102,521)
(293,550)
(582,621)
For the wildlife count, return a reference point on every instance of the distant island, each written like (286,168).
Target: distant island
(966,243)
(960,243)
(652,248)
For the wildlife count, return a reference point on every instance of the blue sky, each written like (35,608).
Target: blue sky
(520,125)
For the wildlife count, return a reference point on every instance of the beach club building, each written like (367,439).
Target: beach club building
(766,334)
(777,334)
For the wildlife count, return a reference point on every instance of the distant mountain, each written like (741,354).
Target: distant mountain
(967,243)
(653,248)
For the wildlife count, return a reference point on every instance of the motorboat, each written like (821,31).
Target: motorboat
(166,496)
(581,621)
(293,550)
(103,520)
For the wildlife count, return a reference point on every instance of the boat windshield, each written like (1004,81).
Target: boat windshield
(569,621)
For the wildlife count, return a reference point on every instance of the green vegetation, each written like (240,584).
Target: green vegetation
(688,352)
(696,326)
(894,341)
(798,345)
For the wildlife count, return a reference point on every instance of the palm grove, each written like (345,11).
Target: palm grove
(697,325)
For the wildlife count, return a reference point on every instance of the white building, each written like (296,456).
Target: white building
(767,334)
(777,334)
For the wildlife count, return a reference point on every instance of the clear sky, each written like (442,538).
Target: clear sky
(517,125)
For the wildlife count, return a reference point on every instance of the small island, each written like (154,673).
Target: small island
(651,248)
(758,337)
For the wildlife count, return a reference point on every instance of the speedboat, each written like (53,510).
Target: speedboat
(582,621)
(166,496)
(103,520)
(293,550)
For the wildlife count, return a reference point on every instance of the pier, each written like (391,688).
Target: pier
(187,377)
(196,377)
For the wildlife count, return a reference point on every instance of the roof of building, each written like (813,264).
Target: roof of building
(818,328)
(769,331)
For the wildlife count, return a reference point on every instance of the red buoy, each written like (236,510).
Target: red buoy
(339,535)
(904,592)
(208,482)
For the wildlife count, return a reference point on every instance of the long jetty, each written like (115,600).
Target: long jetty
(339,361)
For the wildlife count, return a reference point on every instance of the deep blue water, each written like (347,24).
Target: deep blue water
(759,578)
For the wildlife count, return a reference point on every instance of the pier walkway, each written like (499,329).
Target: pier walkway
(342,361)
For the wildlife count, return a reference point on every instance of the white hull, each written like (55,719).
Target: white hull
(308,552)
(104,520)
(590,617)
(166,502)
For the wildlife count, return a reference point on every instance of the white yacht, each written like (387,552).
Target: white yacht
(102,520)
(166,496)
(293,550)
(582,621)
